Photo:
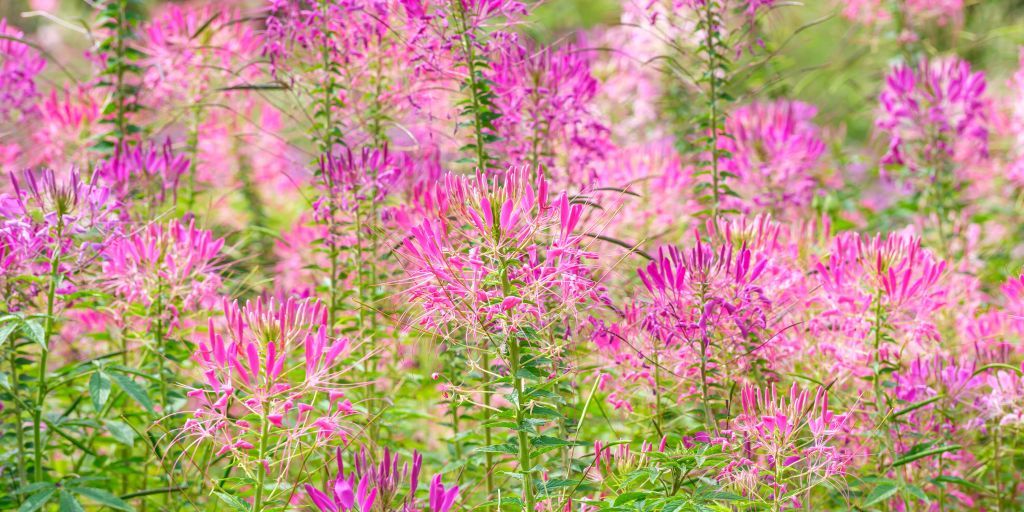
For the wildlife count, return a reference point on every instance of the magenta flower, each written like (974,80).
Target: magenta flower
(454,265)
(914,12)
(775,152)
(441,499)
(188,50)
(175,261)
(385,485)
(785,443)
(934,113)
(279,364)
(143,172)
(19,66)
(545,98)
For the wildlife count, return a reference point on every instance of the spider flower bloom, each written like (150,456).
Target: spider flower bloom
(389,479)
(933,114)
(143,171)
(19,66)
(914,12)
(60,208)
(379,484)
(48,225)
(457,266)
(774,151)
(188,50)
(175,261)
(704,293)
(279,364)
(67,121)
(864,279)
(349,179)
(1016,128)
(1004,401)
(545,98)
(442,499)
(786,440)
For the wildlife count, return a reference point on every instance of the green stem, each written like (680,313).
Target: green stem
(712,53)
(19,429)
(193,163)
(122,33)
(474,88)
(327,143)
(524,441)
(777,475)
(261,469)
(488,457)
(51,296)
(455,427)
(996,462)
(705,393)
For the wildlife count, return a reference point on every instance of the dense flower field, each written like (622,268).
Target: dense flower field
(504,255)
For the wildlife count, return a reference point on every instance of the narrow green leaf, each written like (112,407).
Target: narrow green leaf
(104,498)
(507,448)
(924,453)
(37,500)
(880,493)
(121,431)
(234,502)
(68,503)
(134,390)
(917,405)
(554,441)
(628,497)
(34,488)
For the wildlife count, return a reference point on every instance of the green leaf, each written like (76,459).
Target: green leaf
(628,497)
(924,453)
(134,390)
(104,498)
(37,500)
(917,492)
(34,332)
(68,503)
(234,502)
(960,481)
(554,441)
(6,330)
(99,389)
(1001,366)
(507,448)
(33,488)
(121,431)
(917,405)
(881,493)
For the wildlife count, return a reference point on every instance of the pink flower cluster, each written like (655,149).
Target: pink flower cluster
(934,112)
(382,484)
(279,364)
